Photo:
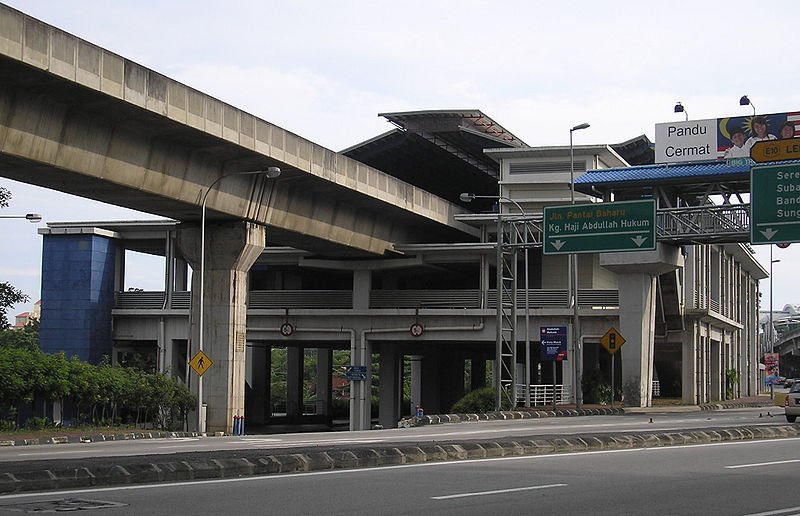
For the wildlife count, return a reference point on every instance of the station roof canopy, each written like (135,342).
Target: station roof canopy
(440,151)
(692,182)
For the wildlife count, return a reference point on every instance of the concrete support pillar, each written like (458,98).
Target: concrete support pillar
(431,389)
(258,378)
(294,384)
(362,284)
(361,390)
(689,394)
(636,277)
(181,274)
(716,370)
(390,387)
(325,384)
(478,365)
(231,250)
(637,300)
(416,381)
(452,380)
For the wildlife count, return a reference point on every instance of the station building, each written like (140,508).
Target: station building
(423,320)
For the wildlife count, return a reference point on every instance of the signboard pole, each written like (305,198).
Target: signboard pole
(554,384)
(612,380)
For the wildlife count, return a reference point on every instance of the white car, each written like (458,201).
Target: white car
(791,404)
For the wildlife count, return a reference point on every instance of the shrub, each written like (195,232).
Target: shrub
(595,388)
(477,401)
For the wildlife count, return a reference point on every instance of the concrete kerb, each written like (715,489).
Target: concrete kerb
(71,439)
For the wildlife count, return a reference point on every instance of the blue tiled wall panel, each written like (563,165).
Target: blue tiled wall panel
(77,295)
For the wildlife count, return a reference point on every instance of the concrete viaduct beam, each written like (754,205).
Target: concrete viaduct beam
(77,118)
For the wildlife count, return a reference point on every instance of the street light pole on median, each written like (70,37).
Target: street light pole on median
(271,173)
(573,265)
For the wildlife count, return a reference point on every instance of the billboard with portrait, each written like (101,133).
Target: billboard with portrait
(721,138)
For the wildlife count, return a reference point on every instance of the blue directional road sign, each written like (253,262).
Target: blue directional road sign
(553,341)
(356,373)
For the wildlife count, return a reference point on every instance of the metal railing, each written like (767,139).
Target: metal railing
(343,299)
(542,394)
(702,224)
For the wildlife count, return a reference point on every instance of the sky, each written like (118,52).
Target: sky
(325,70)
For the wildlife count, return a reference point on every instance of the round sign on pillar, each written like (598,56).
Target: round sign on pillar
(783,245)
(286,329)
(416,330)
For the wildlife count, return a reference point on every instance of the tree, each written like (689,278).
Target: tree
(9,296)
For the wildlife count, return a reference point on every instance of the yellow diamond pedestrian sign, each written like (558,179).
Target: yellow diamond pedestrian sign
(201,363)
(612,341)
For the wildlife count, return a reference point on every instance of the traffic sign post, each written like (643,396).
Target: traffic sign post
(553,347)
(612,341)
(775,204)
(600,227)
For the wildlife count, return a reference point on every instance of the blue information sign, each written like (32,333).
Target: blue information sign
(553,341)
(356,372)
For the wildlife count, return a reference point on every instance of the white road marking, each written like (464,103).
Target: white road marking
(777,511)
(760,464)
(499,491)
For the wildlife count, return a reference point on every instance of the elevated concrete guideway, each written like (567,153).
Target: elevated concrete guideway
(80,119)
(77,118)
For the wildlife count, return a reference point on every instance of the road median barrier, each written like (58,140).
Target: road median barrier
(261,462)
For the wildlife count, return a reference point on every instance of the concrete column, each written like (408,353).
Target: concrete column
(362,284)
(689,395)
(390,387)
(294,384)
(478,365)
(258,358)
(636,278)
(431,388)
(637,317)
(231,250)
(451,380)
(716,370)
(416,381)
(361,391)
(325,384)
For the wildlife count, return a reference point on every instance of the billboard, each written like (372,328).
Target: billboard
(721,138)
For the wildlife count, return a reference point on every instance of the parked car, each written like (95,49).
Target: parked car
(791,403)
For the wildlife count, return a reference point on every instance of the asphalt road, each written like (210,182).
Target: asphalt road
(730,478)
(484,430)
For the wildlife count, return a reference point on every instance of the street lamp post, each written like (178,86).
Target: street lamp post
(468,197)
(33,218)
(745,101)
(573,265)
(771,339)
(270,172)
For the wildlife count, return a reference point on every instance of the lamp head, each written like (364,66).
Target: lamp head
(467,197)
(580,126)
(744,101)
(33,217)
(272,172)
(679,108)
